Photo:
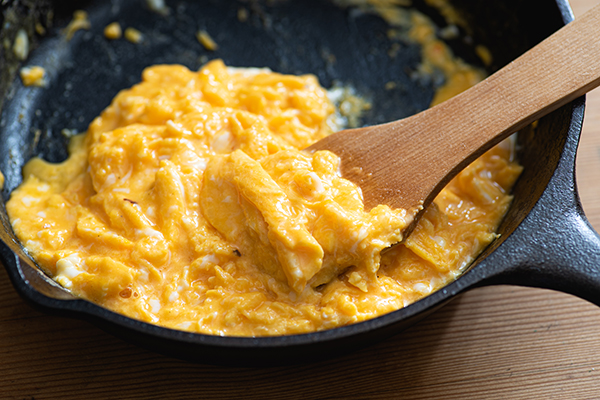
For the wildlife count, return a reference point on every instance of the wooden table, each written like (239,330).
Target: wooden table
(490,343)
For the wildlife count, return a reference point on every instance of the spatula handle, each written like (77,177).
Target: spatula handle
(407,162)
(558,70)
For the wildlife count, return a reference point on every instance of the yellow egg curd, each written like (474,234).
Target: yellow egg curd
(189,203)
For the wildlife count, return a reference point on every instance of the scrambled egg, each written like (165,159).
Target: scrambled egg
(113,31)
(33,76)
(80,21)
(189,204)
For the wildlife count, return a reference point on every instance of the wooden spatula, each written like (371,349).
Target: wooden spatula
(405,163)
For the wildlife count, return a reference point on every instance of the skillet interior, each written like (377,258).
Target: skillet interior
(87,72)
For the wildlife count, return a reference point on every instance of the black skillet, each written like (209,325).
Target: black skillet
(546,240)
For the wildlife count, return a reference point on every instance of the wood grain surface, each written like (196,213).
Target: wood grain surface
(490,343)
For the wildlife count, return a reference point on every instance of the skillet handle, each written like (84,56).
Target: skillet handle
(555,247)
(561,253)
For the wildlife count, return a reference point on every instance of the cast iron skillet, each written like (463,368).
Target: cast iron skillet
(546,240)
